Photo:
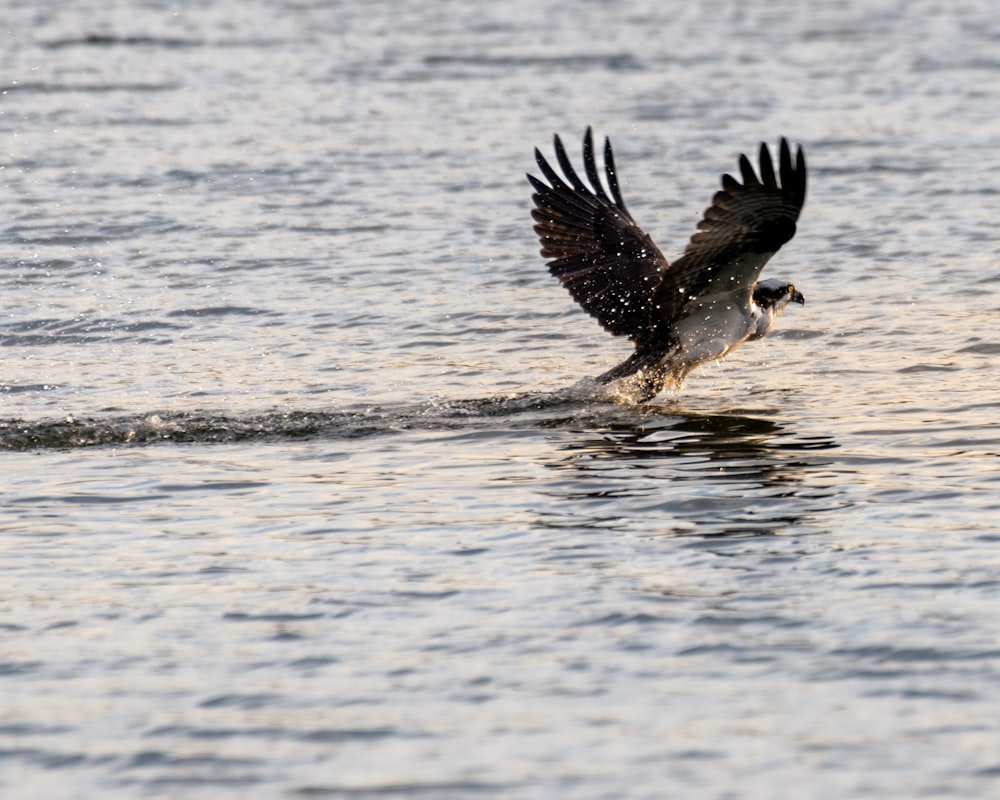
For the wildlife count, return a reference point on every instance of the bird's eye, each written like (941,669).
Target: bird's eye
(791,288)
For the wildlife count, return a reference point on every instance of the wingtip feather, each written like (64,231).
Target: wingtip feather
(801,172)
(590,166)
(747,171)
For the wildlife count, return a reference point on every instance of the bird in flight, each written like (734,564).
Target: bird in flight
(708,302)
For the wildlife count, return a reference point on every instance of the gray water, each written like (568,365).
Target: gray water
(296,501)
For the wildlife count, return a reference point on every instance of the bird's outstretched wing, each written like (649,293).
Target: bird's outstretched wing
(608,263)
(745,225)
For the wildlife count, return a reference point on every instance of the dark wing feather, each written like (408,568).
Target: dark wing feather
(745,225)
(607,262)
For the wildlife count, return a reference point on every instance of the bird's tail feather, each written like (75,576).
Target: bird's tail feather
(640,360)
(642,376)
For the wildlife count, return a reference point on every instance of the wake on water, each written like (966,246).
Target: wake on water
(588,406)
(586,399)
(209,427)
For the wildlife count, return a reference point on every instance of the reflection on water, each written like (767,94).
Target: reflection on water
(651,469)
(646,468)
(706,474)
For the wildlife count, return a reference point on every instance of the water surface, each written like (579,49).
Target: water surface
(299,500)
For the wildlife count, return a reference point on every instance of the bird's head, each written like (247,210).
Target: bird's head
(776,294)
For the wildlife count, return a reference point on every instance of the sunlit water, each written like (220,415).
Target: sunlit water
(298,498)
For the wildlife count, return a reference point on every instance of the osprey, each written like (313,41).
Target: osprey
(679,316)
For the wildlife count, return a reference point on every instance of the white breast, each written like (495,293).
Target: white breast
(713,326)
(763,319)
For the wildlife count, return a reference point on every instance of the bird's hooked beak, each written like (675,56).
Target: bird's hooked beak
(798,297)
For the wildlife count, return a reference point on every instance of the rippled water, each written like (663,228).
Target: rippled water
(299,500)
